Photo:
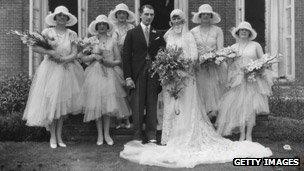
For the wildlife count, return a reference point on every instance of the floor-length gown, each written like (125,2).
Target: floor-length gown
(189,137)
(211,78)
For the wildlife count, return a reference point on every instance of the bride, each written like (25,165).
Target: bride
(188,138)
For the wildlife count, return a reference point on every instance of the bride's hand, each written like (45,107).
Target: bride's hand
(107,63)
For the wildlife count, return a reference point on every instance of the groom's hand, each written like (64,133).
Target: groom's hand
(130,83)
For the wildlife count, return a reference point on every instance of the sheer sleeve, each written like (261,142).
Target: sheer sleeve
(72,36)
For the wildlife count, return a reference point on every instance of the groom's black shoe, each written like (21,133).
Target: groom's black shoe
(137,136)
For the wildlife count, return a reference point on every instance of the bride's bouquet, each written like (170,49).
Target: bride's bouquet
(33,39)
(257,67)
(173,69)
(216,56)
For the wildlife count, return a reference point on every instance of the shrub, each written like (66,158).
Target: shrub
(14,93)
(13,128)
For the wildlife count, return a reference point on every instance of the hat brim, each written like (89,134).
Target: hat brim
(50,19)
(215,17)
(131,17)
(252,31)
(92,27)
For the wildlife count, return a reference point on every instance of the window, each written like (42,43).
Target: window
(280,35)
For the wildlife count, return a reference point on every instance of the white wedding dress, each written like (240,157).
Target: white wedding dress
(189,136)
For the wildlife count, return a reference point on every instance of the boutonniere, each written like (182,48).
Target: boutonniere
(153,31)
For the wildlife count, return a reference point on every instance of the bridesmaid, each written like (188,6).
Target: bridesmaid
(56,87)
(245,99)
(210,77)
(122,19)
(102,92)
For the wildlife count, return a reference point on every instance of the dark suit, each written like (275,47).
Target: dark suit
(137,57)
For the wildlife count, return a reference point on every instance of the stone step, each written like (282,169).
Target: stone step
(75,130)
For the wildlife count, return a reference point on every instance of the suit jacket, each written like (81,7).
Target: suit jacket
(135,50)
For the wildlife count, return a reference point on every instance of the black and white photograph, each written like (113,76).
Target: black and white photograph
(137,85)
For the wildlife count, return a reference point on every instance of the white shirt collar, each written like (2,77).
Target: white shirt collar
(144,26)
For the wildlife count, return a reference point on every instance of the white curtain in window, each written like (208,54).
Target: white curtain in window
(280,35)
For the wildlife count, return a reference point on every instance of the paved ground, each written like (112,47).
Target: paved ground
(88,156)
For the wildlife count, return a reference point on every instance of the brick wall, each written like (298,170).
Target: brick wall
(25,26)
(226,9)
(13,16)
(299,40)
(14,55)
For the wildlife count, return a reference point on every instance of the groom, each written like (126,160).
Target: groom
(140,47)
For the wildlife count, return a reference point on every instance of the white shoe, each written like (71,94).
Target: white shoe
(109,141)
(53,145)
(99,143)
(61,144)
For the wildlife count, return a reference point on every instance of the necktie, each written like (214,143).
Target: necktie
(147,35)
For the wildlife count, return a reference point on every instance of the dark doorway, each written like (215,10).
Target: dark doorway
(162,9)
(255,15)
(72,5)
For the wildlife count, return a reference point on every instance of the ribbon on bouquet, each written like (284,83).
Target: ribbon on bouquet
(176,107)
(104,70)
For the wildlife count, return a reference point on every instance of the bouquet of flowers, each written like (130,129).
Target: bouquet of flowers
(86,45)
(173,69)
(33,39)
(37,39)
(216,56)
(225,54)
(257,67)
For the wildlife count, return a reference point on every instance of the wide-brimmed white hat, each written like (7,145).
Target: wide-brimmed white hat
(50,19)
(244,25)
(205,8)
(122,7)
(100,19)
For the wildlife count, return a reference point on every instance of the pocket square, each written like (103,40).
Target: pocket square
(157,38)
